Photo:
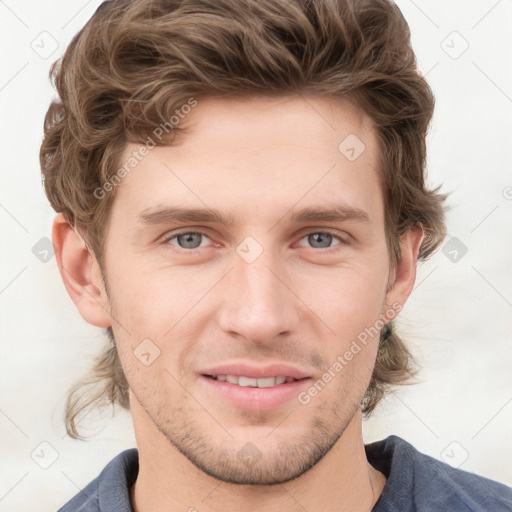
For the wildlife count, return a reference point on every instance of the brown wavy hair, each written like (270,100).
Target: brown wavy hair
(135,62)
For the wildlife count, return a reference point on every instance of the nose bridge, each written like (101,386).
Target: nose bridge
(257,303)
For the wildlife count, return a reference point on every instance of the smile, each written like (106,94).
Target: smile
(241,380)
(253,393)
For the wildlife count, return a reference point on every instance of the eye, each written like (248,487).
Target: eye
(322,239)
(187,240)
(190,240)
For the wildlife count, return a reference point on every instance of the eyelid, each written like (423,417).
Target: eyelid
(166,238)
(326,231)
(308,231)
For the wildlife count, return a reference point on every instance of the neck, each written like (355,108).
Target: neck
(167,481)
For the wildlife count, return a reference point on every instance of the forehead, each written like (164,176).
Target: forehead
(260,156)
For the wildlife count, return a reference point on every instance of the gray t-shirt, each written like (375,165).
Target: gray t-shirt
(415,483)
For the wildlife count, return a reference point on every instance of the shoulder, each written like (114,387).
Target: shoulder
(110,490)
(419,482)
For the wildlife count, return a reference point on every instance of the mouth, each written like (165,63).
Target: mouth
(252,382)
(259,394)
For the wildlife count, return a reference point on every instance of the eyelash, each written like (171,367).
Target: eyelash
(342,241)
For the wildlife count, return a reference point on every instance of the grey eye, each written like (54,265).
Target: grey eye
(320,240)
(188,240)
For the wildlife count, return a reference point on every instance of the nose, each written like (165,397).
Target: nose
(258,302)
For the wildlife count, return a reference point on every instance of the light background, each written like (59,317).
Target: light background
(458,318)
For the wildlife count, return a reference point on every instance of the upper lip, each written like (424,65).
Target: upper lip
(256,372)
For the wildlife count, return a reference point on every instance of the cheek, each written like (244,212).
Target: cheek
(161,314)
(345,298)
(349,302)
(152,300)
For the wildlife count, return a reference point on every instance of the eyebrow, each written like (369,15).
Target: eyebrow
(177,214)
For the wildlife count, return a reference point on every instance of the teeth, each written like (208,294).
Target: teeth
(241,380)
(247,381)
(267,382)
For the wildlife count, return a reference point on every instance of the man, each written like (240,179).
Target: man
(242,205)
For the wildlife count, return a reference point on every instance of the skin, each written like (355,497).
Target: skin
(300,302)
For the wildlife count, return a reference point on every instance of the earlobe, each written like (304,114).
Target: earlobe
(80,273)
(404,275)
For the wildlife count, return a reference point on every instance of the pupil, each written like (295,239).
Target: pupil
(326,238)
(189,240)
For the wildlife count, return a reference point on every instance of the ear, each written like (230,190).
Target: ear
(81,273)
(403,277)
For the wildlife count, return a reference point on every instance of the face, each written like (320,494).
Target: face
(262,283)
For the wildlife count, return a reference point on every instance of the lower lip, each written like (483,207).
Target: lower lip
(252,398)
